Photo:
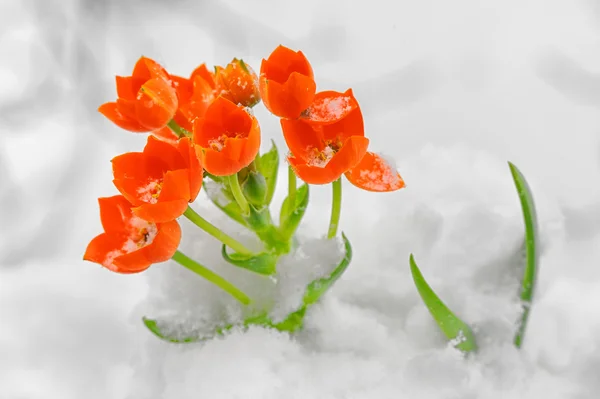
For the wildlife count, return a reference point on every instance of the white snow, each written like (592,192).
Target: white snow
(451,91)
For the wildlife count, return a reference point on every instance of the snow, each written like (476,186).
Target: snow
(450,91)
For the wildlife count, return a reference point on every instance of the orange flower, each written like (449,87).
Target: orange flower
(194,94)
(130,244)
(286,83)
(230,137)
(238,83)
(146,100)
(320,154)
(161,180)
(374,173)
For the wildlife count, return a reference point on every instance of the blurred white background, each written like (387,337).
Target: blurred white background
(518,79)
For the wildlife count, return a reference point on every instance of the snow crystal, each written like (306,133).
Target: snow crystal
(327,108)
(150,192)
(320,159)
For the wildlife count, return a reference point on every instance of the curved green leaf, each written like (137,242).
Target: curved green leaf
(264,263)
(152,325)
(453,327)
(531,248)
(315,290)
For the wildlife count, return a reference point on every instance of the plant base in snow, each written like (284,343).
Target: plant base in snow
(203,133)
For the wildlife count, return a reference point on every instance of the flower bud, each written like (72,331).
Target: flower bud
(238,83)
(255,189)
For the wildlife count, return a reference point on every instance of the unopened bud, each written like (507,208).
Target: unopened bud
(255,189)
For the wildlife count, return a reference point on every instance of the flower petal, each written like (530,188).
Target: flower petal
(139,166)
(289,99)
(115,211)
(330,107)
(167,153)
(193,157)
(165,243)
(351,125)
(374,173)
(166,134)
(146,68)
(161,212)
(301,138)
(156,103)
(111,112)
(282,62)
(175,186)
(101,247)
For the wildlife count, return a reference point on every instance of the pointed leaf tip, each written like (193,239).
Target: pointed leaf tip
(457,331)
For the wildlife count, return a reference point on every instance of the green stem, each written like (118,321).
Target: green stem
(178,130)
(211,276)
(291,187)
(214,231)
(236,190)
(336,208)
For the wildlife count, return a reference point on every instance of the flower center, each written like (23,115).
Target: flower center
(219,143)
(321,158)
(150,192)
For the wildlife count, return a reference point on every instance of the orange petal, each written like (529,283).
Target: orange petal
(350,154)
(100,248)
(219,164)
(289,99)
(222,118)
(164,151)
(374,173)
(351,125)
(301,138)
(161,212)
(132,189)
(175,186)
(126,87)
(165,243)
(282,62)
(114,212)
(166,134)
(330,107)
(146,68)
(193,157)
(112,112)
(138,166)
(156,104)
(203,72)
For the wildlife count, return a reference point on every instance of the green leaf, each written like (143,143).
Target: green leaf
(531,248)
(453,327)
(269,166)
(152,325)
(291,216)
(263,263)
(315,290)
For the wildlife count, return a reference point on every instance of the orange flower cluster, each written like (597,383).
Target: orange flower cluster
(203,125)
(196,124)
(324,131)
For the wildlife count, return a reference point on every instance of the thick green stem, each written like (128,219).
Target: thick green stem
(216,232)
(178,130)
(336,208)
(211,276)
(236,190)
(291,187)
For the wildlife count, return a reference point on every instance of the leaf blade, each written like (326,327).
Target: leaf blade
(453,327)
